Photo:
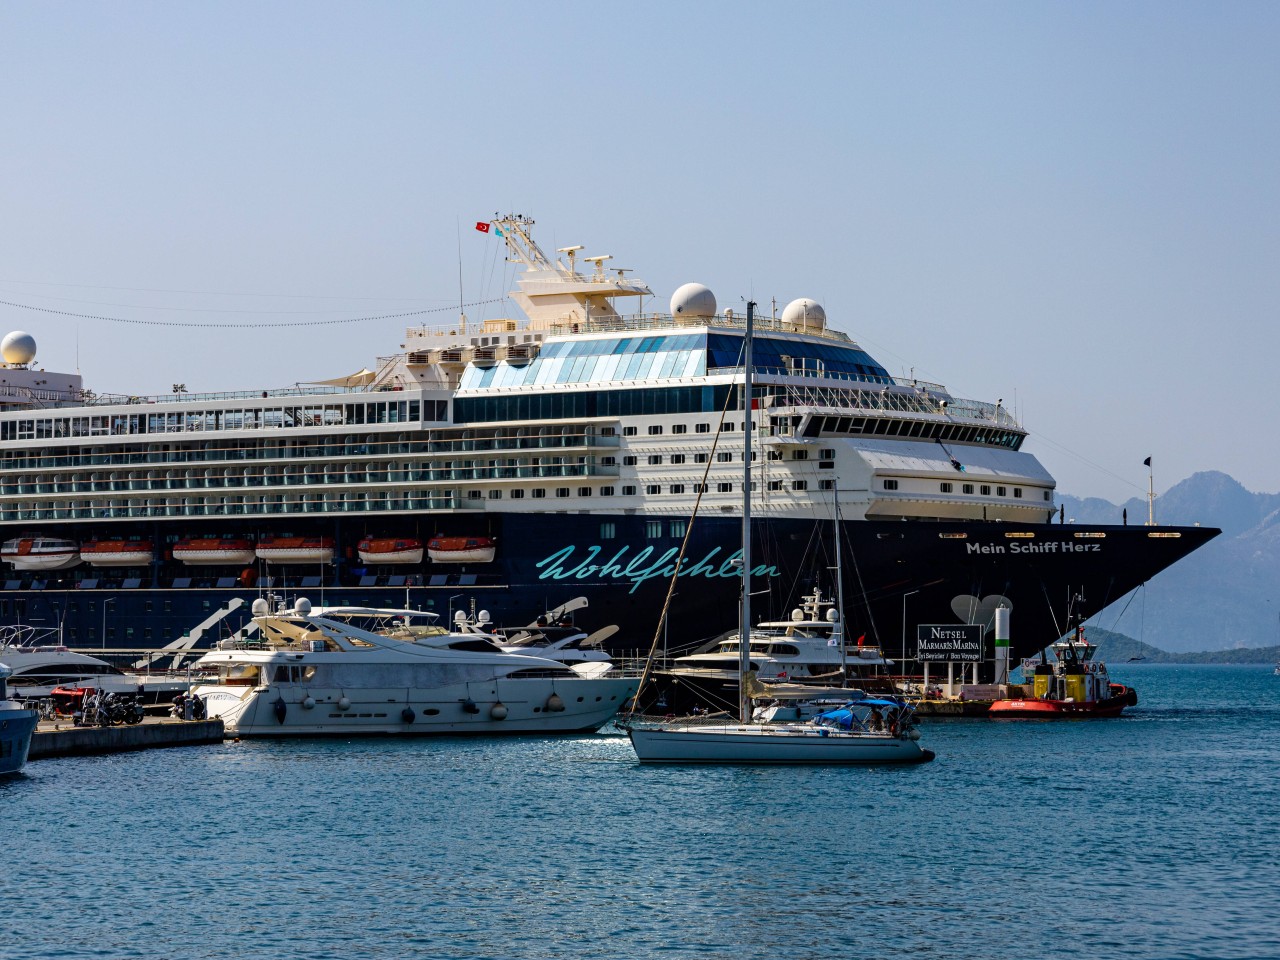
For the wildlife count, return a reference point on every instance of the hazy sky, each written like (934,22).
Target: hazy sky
(1074,206)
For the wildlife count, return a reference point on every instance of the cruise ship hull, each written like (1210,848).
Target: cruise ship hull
(897,575)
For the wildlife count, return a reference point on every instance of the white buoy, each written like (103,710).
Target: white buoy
(344,703)
(555,704)
(498,711)
(308,703)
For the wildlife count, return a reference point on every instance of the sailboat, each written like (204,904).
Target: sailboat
(840,736)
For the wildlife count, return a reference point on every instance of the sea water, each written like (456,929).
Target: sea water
(1153,835)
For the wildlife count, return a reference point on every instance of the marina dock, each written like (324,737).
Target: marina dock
(60,738)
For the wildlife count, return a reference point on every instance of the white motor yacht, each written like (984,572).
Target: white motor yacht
(17,723)
(362,670)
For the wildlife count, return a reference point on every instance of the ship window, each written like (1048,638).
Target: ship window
(655,430)
(945,487)
(495,494)
(725,487)
(966,488)
(826,484)
(562,491)
(584,491)
(1089,535)
(474,495)
(1047,496)
(700,458)
(678,528)
(538,493)
(1020,535)
(775,484)
(724,457)
(608,531)
(826,454)
(1017,493)
(954,536)
(799,484)
(608,461)
(775,454)
(653,529)
(699,488)
(168,606)
(677,458)
(1000,491)
(702,428)
(606,491)
(1163,534)
(629,431)
(517,494)
(799,454)
(607,431)
(628,461)
(653,489)
(679,428)
(891,484)
(655,459)
(677,488)
(628,491)
(986,490)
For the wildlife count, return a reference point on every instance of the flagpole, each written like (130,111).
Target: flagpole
(1151,493)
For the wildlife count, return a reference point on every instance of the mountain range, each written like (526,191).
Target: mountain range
(1224,596)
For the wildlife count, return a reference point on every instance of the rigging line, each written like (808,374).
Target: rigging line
(1083,459)
(143,306)
(684,545)
(238,326)
(206,293)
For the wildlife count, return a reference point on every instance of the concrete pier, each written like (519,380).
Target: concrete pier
(58,738)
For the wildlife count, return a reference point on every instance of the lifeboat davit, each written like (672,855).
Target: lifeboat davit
(213,551)
(40,553)
(390,550)
(461,549)
(117,553)
(295,549)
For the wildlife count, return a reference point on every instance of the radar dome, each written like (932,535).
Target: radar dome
(805,313)
(18,347)
(260,607)
(302,606)
(693,300)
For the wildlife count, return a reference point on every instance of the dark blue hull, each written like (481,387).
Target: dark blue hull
(896,575)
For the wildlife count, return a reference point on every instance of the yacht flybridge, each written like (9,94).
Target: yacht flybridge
(517,457)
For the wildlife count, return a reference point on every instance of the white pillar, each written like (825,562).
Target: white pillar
(1002,644)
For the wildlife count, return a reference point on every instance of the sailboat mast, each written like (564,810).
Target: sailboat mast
(844,640)
(744,628)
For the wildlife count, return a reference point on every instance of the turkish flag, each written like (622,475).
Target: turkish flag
(482,227)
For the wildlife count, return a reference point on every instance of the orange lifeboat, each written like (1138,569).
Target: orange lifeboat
(117,553)
(40,553)
(461,549)
(390,550)
(295,549)
(213,551)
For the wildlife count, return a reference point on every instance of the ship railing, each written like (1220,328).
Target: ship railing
(888,401)
(91,399)
(657,321)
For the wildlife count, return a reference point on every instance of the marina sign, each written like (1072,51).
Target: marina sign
(949,643)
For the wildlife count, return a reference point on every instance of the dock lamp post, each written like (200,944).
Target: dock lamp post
(904,629)
(105,604)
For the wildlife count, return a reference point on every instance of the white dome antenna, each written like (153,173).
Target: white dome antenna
(804,314)
(693,301)
(18,348)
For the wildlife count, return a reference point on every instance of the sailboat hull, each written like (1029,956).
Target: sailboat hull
(770,743)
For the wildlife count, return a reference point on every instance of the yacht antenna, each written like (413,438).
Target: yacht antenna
(744,630)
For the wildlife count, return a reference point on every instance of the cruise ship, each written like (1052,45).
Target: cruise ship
(564,456)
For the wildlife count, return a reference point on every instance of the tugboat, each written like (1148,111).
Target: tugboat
(1073,686)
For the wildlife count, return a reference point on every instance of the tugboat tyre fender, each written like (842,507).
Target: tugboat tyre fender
(1131,698)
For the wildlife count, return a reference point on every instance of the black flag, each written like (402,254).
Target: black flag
(1146,462)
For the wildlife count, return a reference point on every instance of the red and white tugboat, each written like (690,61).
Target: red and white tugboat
(1072,686)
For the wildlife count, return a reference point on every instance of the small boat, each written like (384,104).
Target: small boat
(390,550)
(214,551)
(1073,686)
(461,549)
(117,553)
(295,549)
(838,736)
(17,724)
(40,553)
